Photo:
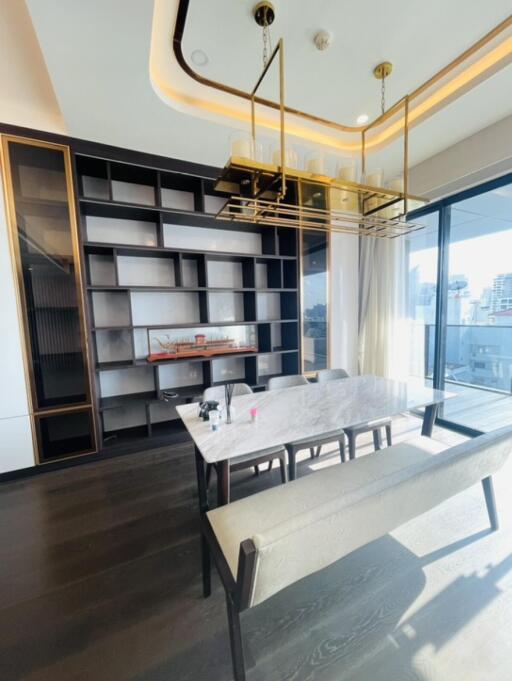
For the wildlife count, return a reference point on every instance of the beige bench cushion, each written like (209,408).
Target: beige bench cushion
(304,526)
(255,514)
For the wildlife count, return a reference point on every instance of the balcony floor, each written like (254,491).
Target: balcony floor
(479,409)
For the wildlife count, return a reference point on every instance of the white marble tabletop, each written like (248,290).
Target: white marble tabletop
(304,411)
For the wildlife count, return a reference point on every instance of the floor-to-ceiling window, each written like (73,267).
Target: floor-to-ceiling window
(422,256)
(466,317)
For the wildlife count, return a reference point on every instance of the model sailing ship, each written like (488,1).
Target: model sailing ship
(199,347)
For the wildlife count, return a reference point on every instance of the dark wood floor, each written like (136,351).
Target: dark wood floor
(99,571)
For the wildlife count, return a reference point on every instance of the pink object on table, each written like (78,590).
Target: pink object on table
(254,413)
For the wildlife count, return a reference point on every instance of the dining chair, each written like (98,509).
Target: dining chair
(252,460)
(314,444)
(374,427)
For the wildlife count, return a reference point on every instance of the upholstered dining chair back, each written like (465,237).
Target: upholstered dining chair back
(217,392)
(330,375)
(337,524)
(278,382)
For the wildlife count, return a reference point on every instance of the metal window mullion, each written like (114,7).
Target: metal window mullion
(442,296)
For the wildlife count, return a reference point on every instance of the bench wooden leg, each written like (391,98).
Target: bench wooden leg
(351,446)
(388,435)
(284,472)
(206,566)
(377,442)
(341,443)
(235,639)
(292,465)
(429,418)
(490,502)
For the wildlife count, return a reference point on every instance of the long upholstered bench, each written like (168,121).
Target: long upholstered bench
(265,542)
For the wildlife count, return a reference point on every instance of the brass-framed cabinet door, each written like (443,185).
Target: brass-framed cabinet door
(45,249)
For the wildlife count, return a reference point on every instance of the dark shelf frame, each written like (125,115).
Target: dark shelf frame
(280,255)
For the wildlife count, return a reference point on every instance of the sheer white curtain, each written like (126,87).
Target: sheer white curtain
(383,326)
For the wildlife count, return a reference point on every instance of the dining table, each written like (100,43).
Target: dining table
(292,414)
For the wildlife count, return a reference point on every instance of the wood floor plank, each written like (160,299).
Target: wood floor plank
(100,581)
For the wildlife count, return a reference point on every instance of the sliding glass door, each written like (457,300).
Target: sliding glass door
(462,325)
(478,348)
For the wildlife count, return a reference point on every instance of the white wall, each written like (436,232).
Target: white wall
(344,297)
(27,96)
(480,157)
(16,448)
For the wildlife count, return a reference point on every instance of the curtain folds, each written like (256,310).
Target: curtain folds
(383,325)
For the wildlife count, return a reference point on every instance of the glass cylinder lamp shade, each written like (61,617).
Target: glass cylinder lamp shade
(242,145)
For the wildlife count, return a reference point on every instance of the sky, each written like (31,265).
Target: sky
(481,259)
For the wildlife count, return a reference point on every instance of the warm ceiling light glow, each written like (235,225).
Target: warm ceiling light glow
(362,119)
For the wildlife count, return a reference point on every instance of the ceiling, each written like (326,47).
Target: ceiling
(418,37)
(98,58)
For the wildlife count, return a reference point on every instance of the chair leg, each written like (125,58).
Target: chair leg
(206,566)
(318,451)
(256,470)
(235,639)
(341,443)
(292,465)
(388,435)
(490,502)
(270,465)
(351,446)
(377,442)
(284,472)
(312,452)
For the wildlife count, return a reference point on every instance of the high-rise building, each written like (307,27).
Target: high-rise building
(501,297)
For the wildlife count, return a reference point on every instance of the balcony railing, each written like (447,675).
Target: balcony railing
(476,356)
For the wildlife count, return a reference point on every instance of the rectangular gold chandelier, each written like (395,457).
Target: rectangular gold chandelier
(278,196)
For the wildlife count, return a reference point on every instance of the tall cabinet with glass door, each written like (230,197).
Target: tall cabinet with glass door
(44,244)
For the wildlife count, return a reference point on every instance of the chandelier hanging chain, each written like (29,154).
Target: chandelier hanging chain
(267,42)
(383,95)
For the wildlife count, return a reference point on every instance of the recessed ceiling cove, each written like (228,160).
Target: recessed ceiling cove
(439,55)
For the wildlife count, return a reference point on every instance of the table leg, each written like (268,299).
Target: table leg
(202,490)
(223,483)
(429,419)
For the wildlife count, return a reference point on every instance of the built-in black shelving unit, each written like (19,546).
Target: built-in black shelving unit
(156,258)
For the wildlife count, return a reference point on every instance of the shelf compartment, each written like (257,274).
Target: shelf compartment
(111,308)
(180,192)
(290,275)
(269,365)
(124,423)
(230,306)
(130,231)
(93,178)
(193,270)
(132,184)
(137,379)
(101,269)
(176,376)
(226,369)
(229,272)
(159,270)
(212,240)
(156,308)
(285,336)
(114,346)
(287,241)
(268,274)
